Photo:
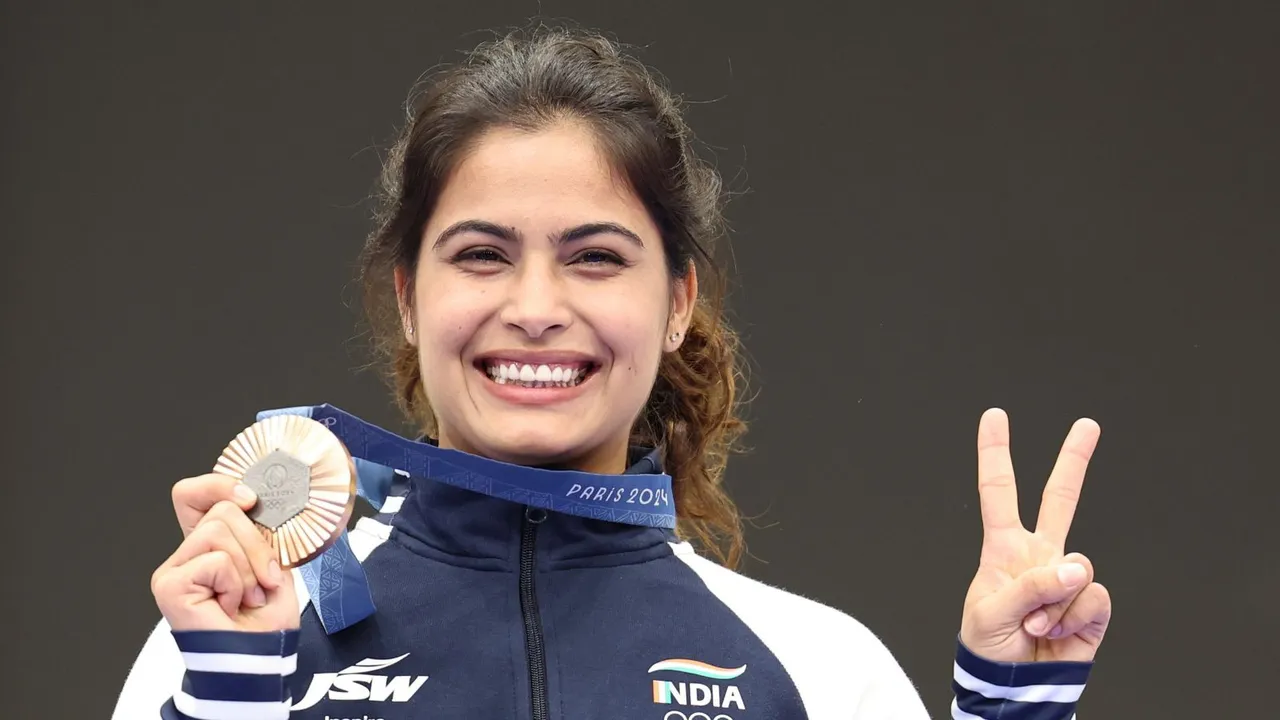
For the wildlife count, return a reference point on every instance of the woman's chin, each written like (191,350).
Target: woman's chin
(547,445)
(539,447)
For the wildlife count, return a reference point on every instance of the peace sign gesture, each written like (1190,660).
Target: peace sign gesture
(1029,601)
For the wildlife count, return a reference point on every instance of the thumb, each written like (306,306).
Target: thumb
(284,599)
(284,576)
(283,580)
(1040,586)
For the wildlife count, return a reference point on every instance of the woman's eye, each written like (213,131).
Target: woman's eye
(598,257)
(479,255)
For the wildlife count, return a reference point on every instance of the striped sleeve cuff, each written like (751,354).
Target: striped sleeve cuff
(986,690)
(234,675)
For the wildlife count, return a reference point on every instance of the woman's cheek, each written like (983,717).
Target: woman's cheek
(451,316)
(633,338)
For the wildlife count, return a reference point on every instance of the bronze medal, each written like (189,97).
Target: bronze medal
(305,481)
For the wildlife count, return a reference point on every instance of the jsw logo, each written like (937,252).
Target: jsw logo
(356,683)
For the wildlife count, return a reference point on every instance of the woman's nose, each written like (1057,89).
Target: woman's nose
(536,301)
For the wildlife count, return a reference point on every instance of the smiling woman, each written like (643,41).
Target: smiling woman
(538,255)
(577,223)
(541,283)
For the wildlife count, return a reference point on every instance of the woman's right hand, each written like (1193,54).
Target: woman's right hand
(224,575)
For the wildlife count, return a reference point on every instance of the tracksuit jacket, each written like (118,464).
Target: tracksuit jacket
(488,609)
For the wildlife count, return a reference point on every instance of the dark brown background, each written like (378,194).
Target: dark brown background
(1061,208)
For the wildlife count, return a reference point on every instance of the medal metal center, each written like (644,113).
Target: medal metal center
(283,485)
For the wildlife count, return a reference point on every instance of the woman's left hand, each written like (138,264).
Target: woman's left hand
(1030,602)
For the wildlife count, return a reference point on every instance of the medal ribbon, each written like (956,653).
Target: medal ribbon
(336,581)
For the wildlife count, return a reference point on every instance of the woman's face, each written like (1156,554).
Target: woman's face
(542,303)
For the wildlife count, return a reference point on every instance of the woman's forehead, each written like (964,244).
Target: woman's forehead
(550,179)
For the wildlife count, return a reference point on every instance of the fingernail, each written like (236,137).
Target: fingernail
(256,597)
(1056,631)
(1038,623)
(1072,574)
(244,495)
(273,572)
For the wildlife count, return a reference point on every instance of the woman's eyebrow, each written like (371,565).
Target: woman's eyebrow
(483,227)
(596,228)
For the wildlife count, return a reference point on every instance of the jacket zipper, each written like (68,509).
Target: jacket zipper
(535,653)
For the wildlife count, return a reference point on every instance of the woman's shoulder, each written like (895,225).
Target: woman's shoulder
(833,658)
(787,620)
(774,605)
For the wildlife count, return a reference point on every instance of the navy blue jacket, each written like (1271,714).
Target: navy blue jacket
(488,609)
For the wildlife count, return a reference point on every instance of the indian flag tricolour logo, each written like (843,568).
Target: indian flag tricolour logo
(701,669)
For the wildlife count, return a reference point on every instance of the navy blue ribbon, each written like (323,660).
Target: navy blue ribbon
(336,581)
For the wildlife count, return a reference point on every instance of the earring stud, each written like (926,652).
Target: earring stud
(675,336)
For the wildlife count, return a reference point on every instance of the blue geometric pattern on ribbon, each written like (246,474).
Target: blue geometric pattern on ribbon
(338,587)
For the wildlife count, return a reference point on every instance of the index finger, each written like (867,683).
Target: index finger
(997,490)
(195,496)
(1062,491)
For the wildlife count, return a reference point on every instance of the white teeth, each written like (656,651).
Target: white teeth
(535,376)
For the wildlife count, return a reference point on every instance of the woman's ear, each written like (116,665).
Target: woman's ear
(405,303)
(684,297)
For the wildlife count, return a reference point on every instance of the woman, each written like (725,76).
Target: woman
(541,281)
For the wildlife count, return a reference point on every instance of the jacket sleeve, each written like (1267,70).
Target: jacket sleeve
(986,690)
(209,675)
